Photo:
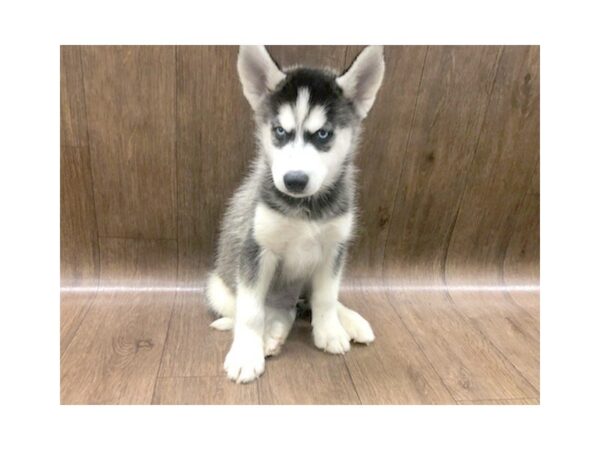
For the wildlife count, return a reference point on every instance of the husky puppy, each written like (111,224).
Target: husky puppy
(287,228)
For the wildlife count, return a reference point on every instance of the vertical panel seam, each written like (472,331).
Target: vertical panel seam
(91,169)
(536,167)
(176,206)
(412,122)
(468,171)
(507,294)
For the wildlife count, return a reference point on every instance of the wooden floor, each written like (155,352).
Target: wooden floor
(154,346)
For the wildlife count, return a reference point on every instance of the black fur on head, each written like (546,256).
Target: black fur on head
(323,89)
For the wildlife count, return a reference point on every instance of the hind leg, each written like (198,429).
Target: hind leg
(278,323)
(220,298)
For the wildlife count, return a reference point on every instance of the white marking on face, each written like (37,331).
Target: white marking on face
(302,105)
(287,118)
(322,167)
(298,156)
(317,117)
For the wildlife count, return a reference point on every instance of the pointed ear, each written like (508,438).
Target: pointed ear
(362,79)
(258,72)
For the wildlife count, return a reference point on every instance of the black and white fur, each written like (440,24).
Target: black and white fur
(287,228)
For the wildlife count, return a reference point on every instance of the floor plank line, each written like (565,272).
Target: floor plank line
(162,354)
(493,342)
(421,350)
(502,401)
(360,401)
(467,362)
(428,350)
(66,337)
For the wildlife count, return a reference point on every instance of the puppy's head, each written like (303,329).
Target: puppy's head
(307,118)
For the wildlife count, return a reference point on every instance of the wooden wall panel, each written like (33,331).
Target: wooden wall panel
(154,140)
(78,231)
(215,144)
(382,154)
(130,99)
(138,263)
(452,100)
(521,267)
(332,56)
(521,262)
(500,176)
(73,123)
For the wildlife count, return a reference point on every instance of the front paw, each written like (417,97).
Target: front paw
(355,325)
(331,338)
(244,362)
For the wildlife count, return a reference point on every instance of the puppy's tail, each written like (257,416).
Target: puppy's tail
(222,301)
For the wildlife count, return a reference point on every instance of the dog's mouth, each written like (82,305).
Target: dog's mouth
(295,194)
(295,197)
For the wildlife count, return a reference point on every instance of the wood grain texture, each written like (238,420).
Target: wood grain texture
(79,258)
(73,308)
(500,175)
(73,121)
(203,391)
(425,147)
(514,332)
(515,401)
(452,100)
(382,155)
(331,56)
(130,99)
(521,264)
(192,348)
(114,356)
(470,366)
(78,230)
(136,264)
(428,350)
(394,369)
(215,144)
(303,374)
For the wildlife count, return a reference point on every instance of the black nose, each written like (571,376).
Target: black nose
(295,181)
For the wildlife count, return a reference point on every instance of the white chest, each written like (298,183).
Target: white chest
(301,244)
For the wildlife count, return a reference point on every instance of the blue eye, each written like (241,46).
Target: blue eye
(280,132)
(323,134)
